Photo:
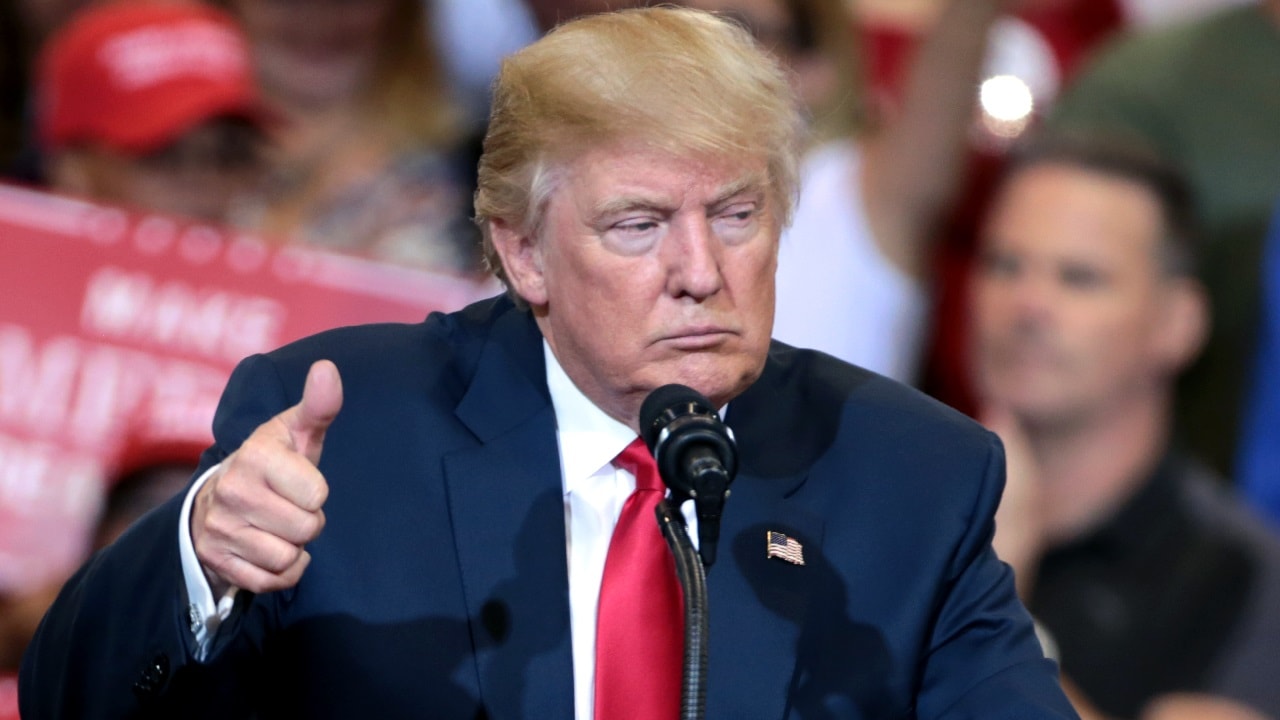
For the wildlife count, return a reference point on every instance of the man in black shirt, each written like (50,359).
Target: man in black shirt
(1149,578)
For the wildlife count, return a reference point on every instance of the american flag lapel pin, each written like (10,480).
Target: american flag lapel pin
(784,548)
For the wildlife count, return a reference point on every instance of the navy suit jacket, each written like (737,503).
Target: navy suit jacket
(439,587)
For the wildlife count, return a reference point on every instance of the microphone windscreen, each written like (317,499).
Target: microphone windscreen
(665,404)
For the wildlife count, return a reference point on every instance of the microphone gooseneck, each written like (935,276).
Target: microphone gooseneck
(695,453)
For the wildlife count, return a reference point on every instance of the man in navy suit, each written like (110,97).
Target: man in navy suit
(412,521)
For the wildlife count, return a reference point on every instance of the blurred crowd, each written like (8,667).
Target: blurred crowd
(1058,216)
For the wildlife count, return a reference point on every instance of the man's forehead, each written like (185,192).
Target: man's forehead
(641,194)
(621,175)
(1098,235)
(1049,185)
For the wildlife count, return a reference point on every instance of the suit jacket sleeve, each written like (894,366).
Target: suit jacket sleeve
(116,643)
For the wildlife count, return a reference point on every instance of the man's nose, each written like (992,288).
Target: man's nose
(693,258)
(1034,297)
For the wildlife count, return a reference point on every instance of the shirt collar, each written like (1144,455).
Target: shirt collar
(589,438)
(1146,522)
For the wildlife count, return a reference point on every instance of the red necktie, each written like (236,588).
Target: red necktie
(640,621)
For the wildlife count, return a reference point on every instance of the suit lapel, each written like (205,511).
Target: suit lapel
(507,509)
(757,603)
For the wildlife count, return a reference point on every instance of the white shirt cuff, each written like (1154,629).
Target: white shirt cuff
(204,614)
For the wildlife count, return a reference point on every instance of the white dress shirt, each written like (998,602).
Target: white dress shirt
(594,493)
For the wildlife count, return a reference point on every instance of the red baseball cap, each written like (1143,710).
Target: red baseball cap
(135,75)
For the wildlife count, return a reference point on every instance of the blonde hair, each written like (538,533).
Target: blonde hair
(680,80)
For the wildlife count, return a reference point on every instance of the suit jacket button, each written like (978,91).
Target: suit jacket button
(160,667)
(152,677)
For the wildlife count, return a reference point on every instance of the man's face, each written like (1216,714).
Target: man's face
(652,269)
(1068,296)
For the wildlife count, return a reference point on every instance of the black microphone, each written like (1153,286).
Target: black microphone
(695,453)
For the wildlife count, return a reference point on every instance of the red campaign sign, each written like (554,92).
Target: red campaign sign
(8,696)
(119,330)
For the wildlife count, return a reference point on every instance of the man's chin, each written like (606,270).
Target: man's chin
(710,374)
(1047,414)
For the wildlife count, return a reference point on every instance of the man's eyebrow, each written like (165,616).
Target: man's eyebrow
(753,183)
(627,203)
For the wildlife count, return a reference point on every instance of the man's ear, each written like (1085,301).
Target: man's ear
(521,260)
(1184,325)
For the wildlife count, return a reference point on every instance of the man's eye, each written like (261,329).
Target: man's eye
(739,213)
(737,222)
(1080,276)
(1000,265)
(636,227)
(635,236)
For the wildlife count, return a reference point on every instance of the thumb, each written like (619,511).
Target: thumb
(310,418)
